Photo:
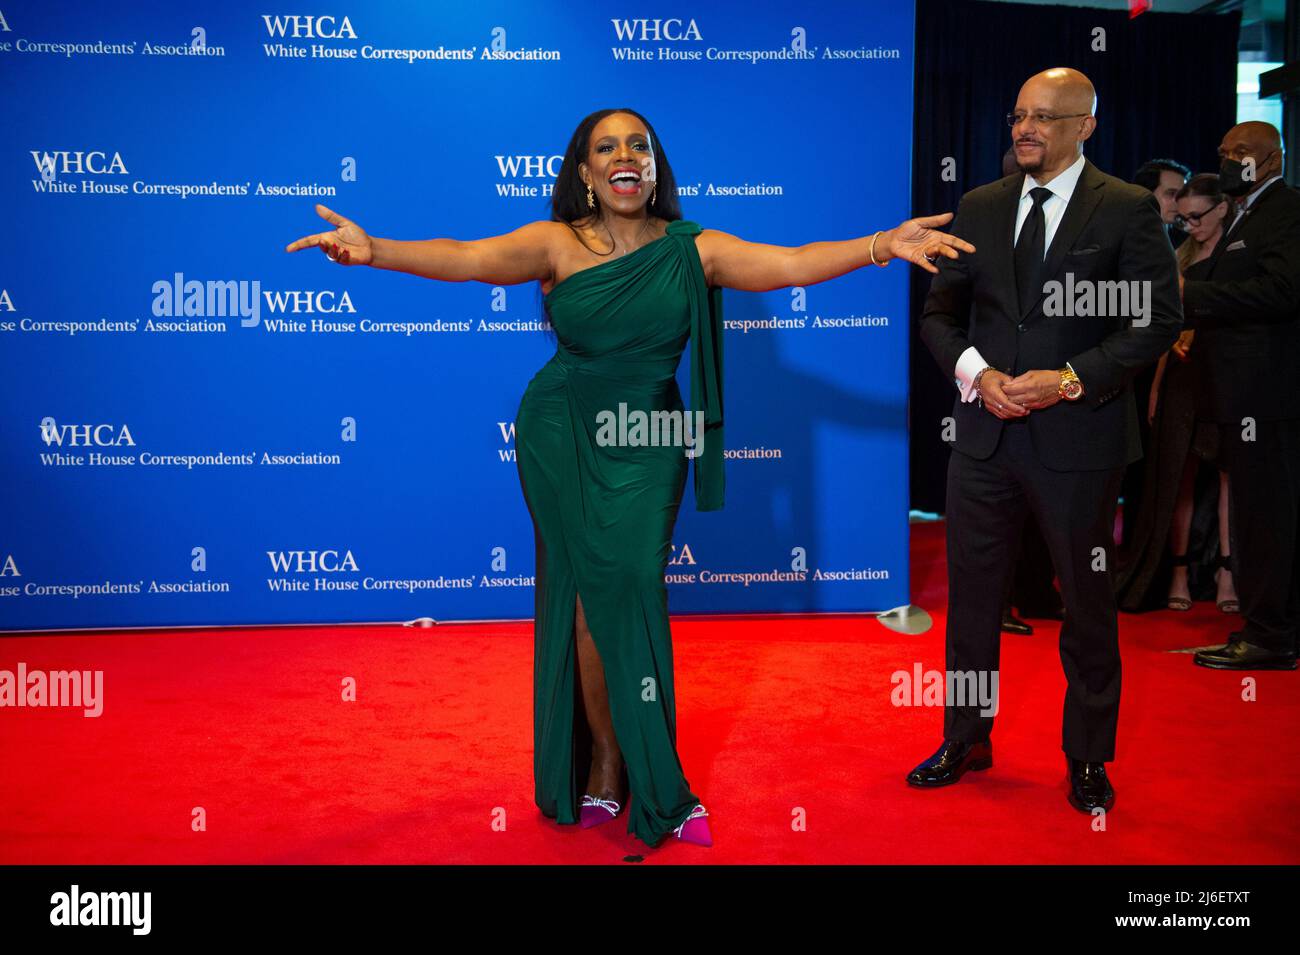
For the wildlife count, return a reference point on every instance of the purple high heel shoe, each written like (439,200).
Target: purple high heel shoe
(696,828)
(595,811)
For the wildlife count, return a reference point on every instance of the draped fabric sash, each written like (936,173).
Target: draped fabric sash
(706,369)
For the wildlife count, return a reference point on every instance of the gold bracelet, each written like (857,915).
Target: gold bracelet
(873,248)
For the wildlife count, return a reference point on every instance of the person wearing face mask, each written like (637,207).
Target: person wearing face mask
(1245,310)
(1179,443)
(1045,420)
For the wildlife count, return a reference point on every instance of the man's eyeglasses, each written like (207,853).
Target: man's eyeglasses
(1039,119)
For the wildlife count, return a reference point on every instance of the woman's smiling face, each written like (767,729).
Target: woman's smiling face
(620,166)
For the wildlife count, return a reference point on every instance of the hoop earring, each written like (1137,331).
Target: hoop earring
(591,199)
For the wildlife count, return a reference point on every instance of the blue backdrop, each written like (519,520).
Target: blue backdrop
(181,445)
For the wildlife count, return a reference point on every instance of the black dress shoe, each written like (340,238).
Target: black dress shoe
(1089,787)
(1240,655)
(950,762)
(1011,624)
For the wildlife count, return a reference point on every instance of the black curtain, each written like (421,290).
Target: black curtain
(1166,88)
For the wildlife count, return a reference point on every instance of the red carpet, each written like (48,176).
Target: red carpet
(775,714)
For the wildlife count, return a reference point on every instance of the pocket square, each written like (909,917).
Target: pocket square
(1239,244)
(1085,250)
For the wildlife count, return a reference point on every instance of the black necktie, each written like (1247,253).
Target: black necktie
(1030,251)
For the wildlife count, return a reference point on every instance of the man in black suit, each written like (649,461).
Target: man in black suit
(1246,313)
(1045,421)
(1164,177)
(1032,588)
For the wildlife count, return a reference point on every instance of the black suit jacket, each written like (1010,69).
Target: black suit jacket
(1247,314)
(1110,231)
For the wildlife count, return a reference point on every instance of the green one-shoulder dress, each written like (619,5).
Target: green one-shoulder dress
(603,511)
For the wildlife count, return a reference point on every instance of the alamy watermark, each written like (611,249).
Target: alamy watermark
(1089,299)
(77,907)
(69,688)
(651,429)
(919,687)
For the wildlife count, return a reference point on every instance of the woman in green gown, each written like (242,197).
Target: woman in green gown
(628,284)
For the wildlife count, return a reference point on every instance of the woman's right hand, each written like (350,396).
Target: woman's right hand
(1184,343)
(348,244)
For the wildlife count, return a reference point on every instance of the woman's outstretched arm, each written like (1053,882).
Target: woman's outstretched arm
(755,267)
(519,256)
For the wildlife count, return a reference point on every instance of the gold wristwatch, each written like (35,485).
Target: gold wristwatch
(1071,388)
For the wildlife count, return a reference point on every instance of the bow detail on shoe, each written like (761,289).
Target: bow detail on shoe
(699,812)
(609,805)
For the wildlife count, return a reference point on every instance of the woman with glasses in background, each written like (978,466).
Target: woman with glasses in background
(1174,537)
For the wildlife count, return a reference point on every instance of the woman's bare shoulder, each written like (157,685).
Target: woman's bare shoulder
(712,240)
(711,243)
(714,236)
(558,237)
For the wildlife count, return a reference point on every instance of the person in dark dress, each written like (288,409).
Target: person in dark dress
(628,284)
(1180,546)
(1163,178)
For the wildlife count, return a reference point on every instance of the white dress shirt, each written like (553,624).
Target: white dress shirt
(1240,207)
(1250,199)
(1062,188)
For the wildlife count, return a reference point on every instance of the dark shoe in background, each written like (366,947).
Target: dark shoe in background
(1013,624)
(1240,655)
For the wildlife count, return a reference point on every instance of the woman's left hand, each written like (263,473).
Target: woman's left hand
(917,241)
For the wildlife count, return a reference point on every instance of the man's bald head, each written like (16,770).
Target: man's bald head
(1067,89)
(1257,134)
(1257,144)
(1055,110)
